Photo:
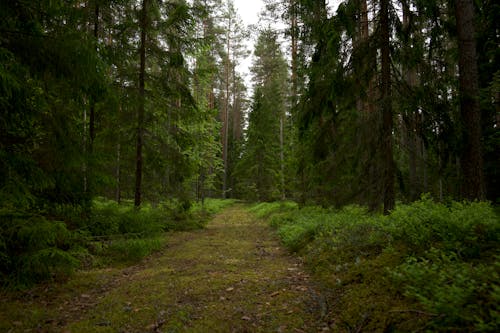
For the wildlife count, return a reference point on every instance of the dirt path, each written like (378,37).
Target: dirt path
(230,277)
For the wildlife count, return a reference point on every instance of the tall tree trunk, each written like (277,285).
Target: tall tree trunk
(472,160)
(92,101)
(140,110)
(84,143)
(412,136)
(282,156)
(225,134)
(387,119)
(118,173)
(368,105)
(294,51)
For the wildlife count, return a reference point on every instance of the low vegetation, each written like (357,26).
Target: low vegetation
(231,276)
(54,243)
(425,267)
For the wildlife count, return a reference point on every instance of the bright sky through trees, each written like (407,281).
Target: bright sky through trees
(249,10)
(249,13)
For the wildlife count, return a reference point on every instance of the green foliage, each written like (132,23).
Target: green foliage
(470,230)
(132,250)
(36,248)
(111,219)
(260,168)
(211,206)
(459,295)
(33,249)
(264,209)
(443,258)
(44,264)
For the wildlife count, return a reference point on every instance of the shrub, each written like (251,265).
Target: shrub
(211,205)
(460,295)
(33,249)
(132,250)
(467,229)
(265,209)
(444,259)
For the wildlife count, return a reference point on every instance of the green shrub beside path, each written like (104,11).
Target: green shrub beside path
(425,267)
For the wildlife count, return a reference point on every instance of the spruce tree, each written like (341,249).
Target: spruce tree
(260,168)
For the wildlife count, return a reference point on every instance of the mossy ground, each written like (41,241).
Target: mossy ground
(232,276)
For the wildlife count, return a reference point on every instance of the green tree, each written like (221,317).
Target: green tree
(260,167)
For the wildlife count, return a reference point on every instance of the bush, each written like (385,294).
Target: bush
(132,250)
(33,249)
(110,219)
(265,209)
(461,296)
(443,257)
(467,229)
(212,206)
(63,237)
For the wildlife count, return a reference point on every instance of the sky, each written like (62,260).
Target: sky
(249,11)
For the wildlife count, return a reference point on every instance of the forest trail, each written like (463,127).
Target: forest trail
(232,276)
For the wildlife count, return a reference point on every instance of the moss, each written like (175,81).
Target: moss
(231,276)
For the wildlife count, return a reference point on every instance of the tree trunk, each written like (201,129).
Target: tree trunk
(118,173)
(225,134)
(294,51)
(387,119)
(472,161)
(282,158)
(84,165)
(92,101)
(413,140)
(140,110)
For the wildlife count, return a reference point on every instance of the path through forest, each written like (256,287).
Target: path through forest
(232,276)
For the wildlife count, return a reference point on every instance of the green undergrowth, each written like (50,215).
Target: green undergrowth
(425,267)
(265,209)
(64,238)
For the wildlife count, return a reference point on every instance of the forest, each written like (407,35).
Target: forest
(366,128)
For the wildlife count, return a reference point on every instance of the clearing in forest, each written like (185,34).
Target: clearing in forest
(232,276)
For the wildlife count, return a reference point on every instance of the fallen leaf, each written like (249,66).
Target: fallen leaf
(246,318)
(230,289)
(276,293)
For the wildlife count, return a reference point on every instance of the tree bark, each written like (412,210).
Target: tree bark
(412,135)
(282,157)
(225,134)
(92,101)
(472,161)
(294,51)
(387,119)
(140,110)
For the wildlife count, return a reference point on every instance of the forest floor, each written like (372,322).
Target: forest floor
(232,276)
